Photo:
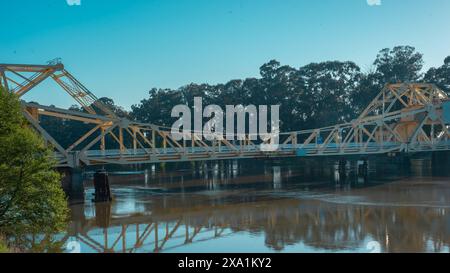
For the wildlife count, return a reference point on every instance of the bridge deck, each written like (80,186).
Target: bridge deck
(220,153)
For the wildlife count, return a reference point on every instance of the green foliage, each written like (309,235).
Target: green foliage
(10,114)
(119,111)
(400,64)
(31,198)
(3,247)
(328,92)
(158,107)
(440,76)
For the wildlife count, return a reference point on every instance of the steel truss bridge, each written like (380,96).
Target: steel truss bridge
(404,117)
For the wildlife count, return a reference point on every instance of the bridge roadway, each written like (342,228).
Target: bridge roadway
(117,156)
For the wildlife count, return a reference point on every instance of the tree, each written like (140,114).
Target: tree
(329,88)
(370,84)
(400,64)
(31,198)
(440,76)
(109,103)
(157,108)
(284,86)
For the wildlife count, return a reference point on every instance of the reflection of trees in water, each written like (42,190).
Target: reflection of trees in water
(409,229)
(285,222)
(241,206)
(317,224)
(337,227)
(322,228)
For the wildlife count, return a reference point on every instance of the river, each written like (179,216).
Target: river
(289,205)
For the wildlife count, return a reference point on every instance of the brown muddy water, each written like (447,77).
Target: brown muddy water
(291,205)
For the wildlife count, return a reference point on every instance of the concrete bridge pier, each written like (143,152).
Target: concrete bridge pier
(72,184)
(363,167)
(343,168)
(340,171)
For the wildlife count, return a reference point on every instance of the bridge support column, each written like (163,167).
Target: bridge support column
(72,184)
(341,174)
(342,166)
(363,167)
(101,185)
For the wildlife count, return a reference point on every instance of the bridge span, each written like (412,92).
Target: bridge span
(402,118)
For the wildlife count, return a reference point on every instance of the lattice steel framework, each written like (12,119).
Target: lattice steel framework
(406,117)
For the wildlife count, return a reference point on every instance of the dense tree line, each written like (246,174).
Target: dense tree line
(311,96)
(314,95)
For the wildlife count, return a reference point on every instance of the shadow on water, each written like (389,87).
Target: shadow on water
(302,205)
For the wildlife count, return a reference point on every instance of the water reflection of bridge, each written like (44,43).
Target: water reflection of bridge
(171,224)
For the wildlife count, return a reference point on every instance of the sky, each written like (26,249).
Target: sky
(123,48)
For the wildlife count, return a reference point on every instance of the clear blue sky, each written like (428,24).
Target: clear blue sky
(122,48)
